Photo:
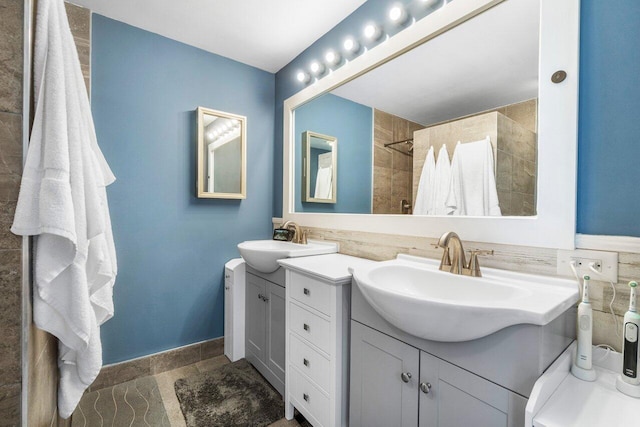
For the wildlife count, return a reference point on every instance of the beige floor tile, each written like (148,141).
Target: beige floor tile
(209,365)
(284,423)
(165,384)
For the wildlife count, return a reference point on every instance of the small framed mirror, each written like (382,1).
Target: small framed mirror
(320,163)
(221,155)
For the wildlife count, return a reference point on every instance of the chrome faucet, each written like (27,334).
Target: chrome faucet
(299,235)
(457,263)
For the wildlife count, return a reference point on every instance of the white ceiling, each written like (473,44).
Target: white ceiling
(485,63)
(264,34)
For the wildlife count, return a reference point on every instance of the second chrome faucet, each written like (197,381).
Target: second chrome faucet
(453,258)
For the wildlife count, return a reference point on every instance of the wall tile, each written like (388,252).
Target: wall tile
(10,318)
(11,46)
(122,372)
(43,378)
(212,348)
(10,404)
(80,23)
(173,359)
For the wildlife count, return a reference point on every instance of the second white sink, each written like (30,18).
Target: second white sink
(412,294)
(263,255)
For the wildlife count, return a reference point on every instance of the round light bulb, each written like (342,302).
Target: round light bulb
(351,45)
(397,14)
(302,77)
(332,57)
(316,68)
(372,32)
(209,135)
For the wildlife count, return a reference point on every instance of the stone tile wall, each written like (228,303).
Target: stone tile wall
(42,347)
(392,170)
(11,58)
(515,151)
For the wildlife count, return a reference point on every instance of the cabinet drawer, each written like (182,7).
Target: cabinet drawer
(311,327)
(310,398)
(312,292)
(310,362)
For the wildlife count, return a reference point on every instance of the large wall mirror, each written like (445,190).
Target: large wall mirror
(454,124)
(221,148)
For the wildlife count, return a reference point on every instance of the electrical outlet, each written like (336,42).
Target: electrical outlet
(605,263)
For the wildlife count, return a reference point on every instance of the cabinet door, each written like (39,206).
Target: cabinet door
(459,398)
(379,394)
(255,316)
(228,318)
(276,329)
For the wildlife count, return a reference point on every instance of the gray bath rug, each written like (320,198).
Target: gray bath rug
(134,403)
(232,395)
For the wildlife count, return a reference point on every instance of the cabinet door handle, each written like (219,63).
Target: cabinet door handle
(306,291)
(260,296)
(425,387)
(305,396)
(265,299)
(305,362)
(405,376)
(306,327)
(226,287)
(227,276)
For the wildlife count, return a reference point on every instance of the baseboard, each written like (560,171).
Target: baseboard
(157,363)
(608,243)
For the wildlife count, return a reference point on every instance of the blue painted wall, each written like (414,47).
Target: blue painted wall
(609,144)
(609,121)
(352,125)
(172,246)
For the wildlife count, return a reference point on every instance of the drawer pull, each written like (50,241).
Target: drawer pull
(306,327)
(305,362)
(305,396)
(260,296)
(405,376)
(307,292)
(227,276)
(425,387)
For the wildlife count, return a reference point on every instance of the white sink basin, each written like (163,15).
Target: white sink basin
(263,255)
(412,294)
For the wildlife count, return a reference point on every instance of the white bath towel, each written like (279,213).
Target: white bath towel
(473,183)
(441,184)
(422,205)
(324,183)
(63,202)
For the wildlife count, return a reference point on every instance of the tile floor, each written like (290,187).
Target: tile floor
(166,380)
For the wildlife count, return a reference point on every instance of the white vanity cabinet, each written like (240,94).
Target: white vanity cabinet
(395,384)
(265,325)
(317,337)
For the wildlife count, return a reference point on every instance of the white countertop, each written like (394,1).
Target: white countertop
(330,267)
(588,404)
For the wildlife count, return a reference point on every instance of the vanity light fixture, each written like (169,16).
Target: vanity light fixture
(303,77)
(398,14)
(332,57)
(316,68)
(430,3)
(351,45)
(372,32)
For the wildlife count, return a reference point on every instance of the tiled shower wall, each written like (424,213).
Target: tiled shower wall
(42,347)
(391,170)
(11,57)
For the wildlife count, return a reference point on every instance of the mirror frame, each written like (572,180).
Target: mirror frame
(554,224)
(306,167)
(201,194)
